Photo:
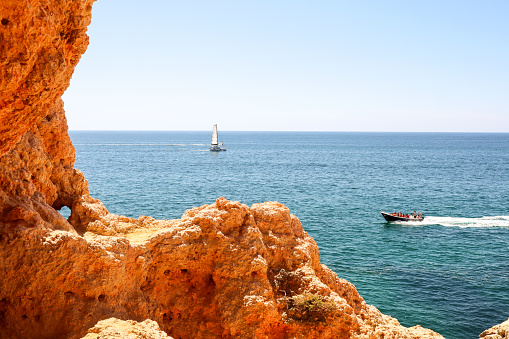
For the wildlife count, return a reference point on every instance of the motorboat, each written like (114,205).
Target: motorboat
(396,217)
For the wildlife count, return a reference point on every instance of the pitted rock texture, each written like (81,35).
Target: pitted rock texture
(125,329)
(40,44)
(500,331)
(224,270)
(41,41)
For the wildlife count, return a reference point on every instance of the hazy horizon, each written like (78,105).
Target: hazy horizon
(359,66)
(274,131)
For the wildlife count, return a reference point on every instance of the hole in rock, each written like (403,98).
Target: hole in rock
(24,316)
(166,272)
(184,270)
(5,22)
(65,211)
(167,317)
(101,297)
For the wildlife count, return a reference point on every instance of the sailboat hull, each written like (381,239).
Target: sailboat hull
(217,149)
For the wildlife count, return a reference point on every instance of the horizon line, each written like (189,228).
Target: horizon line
(285,131)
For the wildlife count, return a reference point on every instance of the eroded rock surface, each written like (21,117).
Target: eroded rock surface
(41,41)
(223,270)
(40,44)
(124,329)
(500,331)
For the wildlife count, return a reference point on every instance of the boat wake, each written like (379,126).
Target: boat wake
(496,221)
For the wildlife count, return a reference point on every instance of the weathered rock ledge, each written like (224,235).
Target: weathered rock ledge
(500,331)
(223,270)
(121,329)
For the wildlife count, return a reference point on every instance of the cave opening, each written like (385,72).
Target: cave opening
(65,211)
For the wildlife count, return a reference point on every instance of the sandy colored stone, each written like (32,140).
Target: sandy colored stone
(500,331)
(223,270)
(113,328)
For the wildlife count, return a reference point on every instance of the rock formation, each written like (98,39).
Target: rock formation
(500,331)
(223,270)
(120,329)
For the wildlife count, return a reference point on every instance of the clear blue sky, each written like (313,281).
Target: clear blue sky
(294,65)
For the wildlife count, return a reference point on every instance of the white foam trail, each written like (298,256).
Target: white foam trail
(496,221)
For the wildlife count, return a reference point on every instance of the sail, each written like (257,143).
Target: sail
(214,135)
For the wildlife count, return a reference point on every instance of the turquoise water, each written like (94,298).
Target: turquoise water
(449,273)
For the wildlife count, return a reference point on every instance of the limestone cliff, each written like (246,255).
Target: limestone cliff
(223,270)
(500,331)
(121,329)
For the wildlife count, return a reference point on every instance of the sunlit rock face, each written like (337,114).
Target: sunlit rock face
(121,329)
(40,44)
(500,331)
(223,270)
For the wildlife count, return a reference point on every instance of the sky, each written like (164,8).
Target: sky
(424,66)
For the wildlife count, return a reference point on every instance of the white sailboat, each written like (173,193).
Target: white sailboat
(214,145)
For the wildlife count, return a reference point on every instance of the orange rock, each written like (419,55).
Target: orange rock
(223,270)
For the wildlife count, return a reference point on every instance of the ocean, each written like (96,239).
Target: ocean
(449,273)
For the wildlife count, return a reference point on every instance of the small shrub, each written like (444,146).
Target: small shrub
(310,307)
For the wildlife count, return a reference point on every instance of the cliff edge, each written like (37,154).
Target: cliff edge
(223,270)
(500,331)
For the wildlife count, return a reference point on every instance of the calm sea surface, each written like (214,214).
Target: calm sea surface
(449,273)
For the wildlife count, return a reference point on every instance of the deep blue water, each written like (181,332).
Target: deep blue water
(449,273)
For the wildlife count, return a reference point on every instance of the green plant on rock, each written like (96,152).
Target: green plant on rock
(310,307)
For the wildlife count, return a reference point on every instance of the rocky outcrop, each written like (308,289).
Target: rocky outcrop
(40,44)
(120,329)
(41,41)
(223,270)
(500,331)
